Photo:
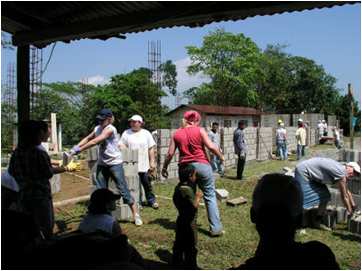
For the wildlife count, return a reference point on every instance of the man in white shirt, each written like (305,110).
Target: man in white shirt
(281,141)
(214,136)
(137,138)
(109,164)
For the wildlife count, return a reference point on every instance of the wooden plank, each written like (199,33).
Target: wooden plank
(23,83)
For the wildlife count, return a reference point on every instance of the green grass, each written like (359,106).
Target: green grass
(154,239)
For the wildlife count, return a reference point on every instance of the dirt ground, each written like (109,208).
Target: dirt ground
(73,186)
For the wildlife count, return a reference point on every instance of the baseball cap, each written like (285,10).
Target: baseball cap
(280,121)
(102,196)
(104,113)
(192,116)
(300,120)
(136,118)
(356,167)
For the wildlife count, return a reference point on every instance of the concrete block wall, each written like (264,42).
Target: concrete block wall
(271,120)
(265,143)
(228,147)
(312,118)
(164,136)
(292,142)
(332,120)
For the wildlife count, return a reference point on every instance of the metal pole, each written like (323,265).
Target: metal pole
(351,128)
(23,78)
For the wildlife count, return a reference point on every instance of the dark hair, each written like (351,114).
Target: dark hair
(185,172)
(241,122)
(215,123)
(99,200)
(30,131)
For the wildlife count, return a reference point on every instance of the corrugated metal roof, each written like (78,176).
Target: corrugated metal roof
(42,22)
(219,110)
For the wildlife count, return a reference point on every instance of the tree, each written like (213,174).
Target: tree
(232,61)
(65,99)
(169,75)
(343,113)
(128,94)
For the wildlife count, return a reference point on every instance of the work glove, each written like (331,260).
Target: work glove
(75,150)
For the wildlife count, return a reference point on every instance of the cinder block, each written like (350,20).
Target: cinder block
(123,213)
(130,169)
(222,194)
(341,215)
(330,218)
(354,224)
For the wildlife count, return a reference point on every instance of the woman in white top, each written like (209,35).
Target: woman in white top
(99,216)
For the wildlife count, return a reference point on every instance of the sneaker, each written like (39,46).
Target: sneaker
(217,234)
(155,205)
(138,220)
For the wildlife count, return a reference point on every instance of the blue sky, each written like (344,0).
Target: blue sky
(330,36)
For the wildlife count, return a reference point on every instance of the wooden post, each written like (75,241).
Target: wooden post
(23,83)
(60,137)
(351,128)
(53,118)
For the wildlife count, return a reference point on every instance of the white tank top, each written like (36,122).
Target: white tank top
(109,153)
(99,222)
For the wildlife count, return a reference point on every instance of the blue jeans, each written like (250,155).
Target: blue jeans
(115,172)
(206,182)
(300,151)
(217,165)
(147,186)
(282,150)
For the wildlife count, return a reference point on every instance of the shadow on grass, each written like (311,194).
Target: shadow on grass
(155,265)
(164,222)
(348,236)
(164,255)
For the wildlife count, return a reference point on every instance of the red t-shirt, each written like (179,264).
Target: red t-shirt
(189,143)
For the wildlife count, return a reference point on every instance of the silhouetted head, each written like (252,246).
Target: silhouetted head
(102,201)
(241,124)
(277,207)
(187,173)
(32,133)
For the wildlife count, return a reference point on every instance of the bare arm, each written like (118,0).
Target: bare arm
(212,147)
(342,186)
(198,198)
(86,139)
(151,157)
(103,136)
(170,154)
(57,170)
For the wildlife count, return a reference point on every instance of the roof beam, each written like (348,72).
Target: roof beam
(188,14)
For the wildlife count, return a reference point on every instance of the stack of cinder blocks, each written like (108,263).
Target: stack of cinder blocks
(162,149)
(250,138)
(265,143)
(130,166)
